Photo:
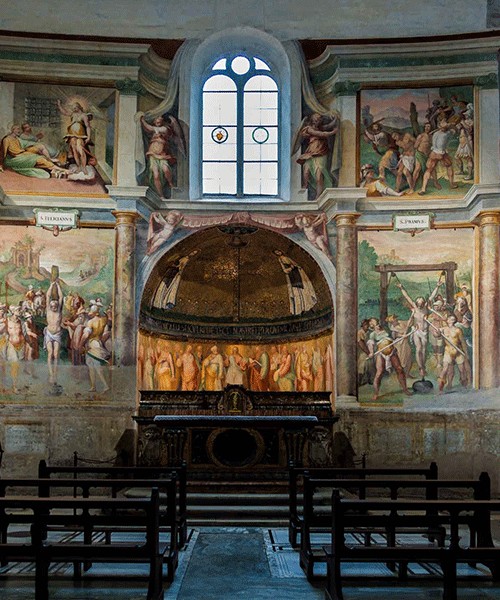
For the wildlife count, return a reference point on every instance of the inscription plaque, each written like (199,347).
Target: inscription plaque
(26,439)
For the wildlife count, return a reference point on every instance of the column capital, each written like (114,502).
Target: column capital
(487,82)
(346,88)
(125,217)
(488,217)
(129,87)
(346,219)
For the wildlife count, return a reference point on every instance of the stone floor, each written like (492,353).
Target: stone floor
(230,563)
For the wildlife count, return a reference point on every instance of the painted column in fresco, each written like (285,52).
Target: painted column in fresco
(124,294)
(347,303)
(489,289)
(126,131)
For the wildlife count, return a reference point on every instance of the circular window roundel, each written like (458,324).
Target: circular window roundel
(260,135)
(219,135)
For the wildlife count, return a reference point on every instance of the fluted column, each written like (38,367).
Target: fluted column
(346,304)
(124,295)
(489,288)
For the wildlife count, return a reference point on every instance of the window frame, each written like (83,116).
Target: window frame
(241,81)
(279,58)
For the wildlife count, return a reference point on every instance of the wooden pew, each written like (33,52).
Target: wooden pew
(296,475)
(123,472)
(49,487)
(405,515)
(317,519)
(84,513)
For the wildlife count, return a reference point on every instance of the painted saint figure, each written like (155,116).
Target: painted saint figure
(165,295)
(52,334)
(303,370)
(26,161)
(165,372)
(420,312)
(212,371)
(236,367)
(318,369)
(285,376)
(258,370)
(301,293)
(188,368)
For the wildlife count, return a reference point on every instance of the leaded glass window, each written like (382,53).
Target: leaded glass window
(240,142)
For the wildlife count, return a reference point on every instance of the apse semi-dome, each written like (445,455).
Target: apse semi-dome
(236,282)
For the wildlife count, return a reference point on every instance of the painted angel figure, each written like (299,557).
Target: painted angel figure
(78,134)
(164,136)
(316,132)
(161,228)
(314,228)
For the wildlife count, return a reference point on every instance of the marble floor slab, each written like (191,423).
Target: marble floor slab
(228,564)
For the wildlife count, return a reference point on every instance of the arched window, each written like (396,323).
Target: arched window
(240,139)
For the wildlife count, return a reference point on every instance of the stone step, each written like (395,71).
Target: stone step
(239,509)
(196,499)
(233,521)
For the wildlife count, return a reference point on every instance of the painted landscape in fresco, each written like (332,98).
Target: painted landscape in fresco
(55,312)
(56,139)
(415,314)
(305,366)
(417,143)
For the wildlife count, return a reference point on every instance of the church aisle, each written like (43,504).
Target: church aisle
(258,564)
(232,563)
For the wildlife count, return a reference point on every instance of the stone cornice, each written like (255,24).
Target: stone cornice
(334,201)
(38,48)
(465,210)
(69,59)
(405,62)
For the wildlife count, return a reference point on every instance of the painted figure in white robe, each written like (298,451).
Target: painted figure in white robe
(165,295)
(301,292)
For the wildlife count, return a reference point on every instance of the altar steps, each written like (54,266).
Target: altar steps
(238,509)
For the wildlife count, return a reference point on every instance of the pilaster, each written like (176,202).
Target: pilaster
(125,325)
(346,305)
(488,295)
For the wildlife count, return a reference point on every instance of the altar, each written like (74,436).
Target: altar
(234,431)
